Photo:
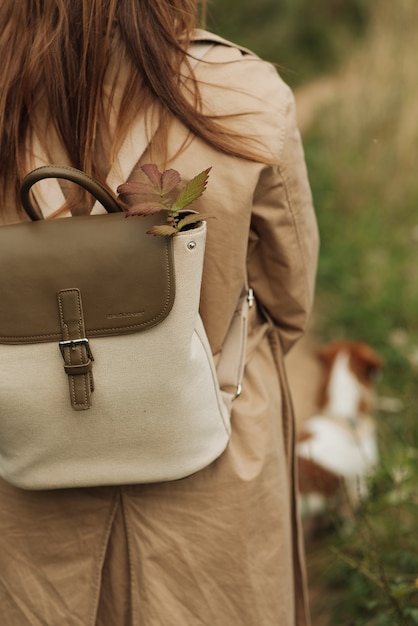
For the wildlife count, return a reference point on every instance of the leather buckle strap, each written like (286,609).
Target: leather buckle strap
(75,349)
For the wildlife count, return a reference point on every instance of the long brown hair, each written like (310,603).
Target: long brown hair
(55,55)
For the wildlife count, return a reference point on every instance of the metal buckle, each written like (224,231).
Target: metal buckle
(250,298)
(73,343)
(238,391)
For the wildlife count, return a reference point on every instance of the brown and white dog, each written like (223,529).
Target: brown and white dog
(337,447)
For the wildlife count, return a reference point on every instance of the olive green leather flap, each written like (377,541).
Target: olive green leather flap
(124,275)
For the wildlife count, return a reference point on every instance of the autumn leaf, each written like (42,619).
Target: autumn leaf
(169,181)
(158,196)
(192,191)
(165,230)
(161,183)
(132,188)
(146,208)
(153,173)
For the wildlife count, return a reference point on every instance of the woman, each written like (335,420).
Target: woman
(222,546)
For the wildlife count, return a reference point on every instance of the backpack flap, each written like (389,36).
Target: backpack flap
(125,277)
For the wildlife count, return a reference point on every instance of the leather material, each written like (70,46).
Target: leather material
(69,173)
(124,275)
(75,349)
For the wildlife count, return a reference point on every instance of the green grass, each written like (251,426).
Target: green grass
(362,160)
(368,291)
(305,38)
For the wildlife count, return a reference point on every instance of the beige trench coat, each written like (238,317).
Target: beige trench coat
(221,547)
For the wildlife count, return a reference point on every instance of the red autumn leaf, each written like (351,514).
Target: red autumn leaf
(146,208)
(154,175)
(133,188)
(165,230)
(169,181)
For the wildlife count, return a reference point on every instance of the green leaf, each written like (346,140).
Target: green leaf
(164,230)
(192,191)
(193,218)
(146,208)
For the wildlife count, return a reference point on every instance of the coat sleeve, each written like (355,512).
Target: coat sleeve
(284,241)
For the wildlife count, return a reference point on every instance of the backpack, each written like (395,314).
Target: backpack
(107,376)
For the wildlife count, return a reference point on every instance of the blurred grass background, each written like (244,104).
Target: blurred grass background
(305,38)
(361,150)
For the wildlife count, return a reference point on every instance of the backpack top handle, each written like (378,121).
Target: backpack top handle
(68,173)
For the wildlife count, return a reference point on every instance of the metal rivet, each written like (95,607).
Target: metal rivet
(191,245)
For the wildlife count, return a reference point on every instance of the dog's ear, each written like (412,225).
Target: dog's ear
(327,353)
(365,363)
(366,360)
(303,435)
